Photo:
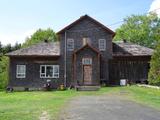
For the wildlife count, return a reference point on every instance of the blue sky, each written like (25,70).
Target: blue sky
(20,18)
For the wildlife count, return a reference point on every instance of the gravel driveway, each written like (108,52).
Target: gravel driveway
(107,108)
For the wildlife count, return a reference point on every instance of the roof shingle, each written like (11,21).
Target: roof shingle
(40,49)
(130,49)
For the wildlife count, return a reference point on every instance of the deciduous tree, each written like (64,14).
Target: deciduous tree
(140,29)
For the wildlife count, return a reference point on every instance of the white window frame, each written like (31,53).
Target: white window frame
(44,75)
(87,61)
(18,72)
(102,44)
(70,44)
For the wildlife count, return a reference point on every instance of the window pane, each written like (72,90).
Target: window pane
(20,75)
(86,41)
(56,75)
(20,72)
(87,61)
(20,69)
(42,69)
(42,74)
(102,44)
(49,71)
(70,44)
(56,69)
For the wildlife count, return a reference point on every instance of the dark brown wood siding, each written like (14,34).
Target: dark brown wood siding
(32,79)
(130,68)
(86,28)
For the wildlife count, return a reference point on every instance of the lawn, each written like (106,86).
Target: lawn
(31,105)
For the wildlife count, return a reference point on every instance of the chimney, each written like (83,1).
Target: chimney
(124,40)
(46,41)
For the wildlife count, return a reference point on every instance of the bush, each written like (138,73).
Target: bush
(154,73)
(3,72)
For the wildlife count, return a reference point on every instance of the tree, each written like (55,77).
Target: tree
(16,46)
(1,48)
(154,73)
(3,72)
(140,29)
(39,36)
(7,48)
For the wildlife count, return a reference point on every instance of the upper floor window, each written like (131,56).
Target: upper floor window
(87,61)
(86,40)
(70,44)
(102,44)
(21,71)
(49,71)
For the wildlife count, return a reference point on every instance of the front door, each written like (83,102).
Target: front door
(87,74)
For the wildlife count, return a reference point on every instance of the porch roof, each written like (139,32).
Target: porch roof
(85,46)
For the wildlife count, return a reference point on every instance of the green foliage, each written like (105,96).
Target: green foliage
(140,29)
(3,71)
(4,63)
(8,48)
(39,36)
(154,73)
(16,46)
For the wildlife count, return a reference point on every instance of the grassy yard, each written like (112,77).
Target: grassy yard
(31,105)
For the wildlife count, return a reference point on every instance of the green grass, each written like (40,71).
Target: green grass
(147,96)
(30,105)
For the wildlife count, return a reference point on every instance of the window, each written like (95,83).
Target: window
(87,61)
(21,71)
(102,44)
(49,71)
(70,44)
(86,41)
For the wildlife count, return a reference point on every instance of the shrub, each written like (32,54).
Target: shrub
(154,73)
(3,71)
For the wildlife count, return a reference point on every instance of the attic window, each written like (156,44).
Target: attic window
(86,40)
(102,44)
(70,44)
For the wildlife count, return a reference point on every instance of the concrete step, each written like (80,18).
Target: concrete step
(87,88)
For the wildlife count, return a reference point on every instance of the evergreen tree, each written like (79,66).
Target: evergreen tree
(154,73)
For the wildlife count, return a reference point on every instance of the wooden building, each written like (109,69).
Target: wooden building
(85,55)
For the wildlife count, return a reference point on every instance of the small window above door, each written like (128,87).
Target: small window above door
(87,61)
(86,40)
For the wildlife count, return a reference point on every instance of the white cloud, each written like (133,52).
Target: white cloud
(155,6)
(12,38)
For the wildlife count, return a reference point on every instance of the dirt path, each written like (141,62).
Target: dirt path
(107,108)
(44,116)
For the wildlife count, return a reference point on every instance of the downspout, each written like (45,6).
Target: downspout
(65,60)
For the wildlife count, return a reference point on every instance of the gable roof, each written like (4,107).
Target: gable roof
(40,49)
(130,49)
(82,18)
(89,46)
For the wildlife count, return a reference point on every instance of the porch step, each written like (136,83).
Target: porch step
(87,88)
